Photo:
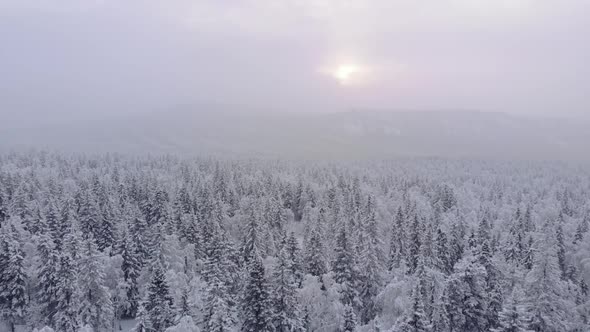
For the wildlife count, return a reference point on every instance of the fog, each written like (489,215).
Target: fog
(487,73)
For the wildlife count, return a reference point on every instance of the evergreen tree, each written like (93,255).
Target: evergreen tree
(349,324)
(66,317)
(96,308)
(287,317)
(131,270)
(48,278)
(441,253)
(13,278)
(440,317)
(344,267)
(513,318)
(414,245)
(219,315)
(256,305)
(251,239)
(158,303)
(294,256)
(416,319)
(399,241)
(548,310)
(467,302)
(370,272)
(561,249)
(143,321)
(315,253)
(492,285)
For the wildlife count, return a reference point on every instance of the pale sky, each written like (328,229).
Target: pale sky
(521,56)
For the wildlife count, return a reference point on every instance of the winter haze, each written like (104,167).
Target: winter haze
(294,166)
(115,70)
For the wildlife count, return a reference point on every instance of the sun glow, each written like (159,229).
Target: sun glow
(345,73)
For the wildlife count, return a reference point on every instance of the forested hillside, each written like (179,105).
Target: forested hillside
(189,244)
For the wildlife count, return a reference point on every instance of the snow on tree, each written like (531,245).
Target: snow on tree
(462,236)
(286,315)
(13,292)
(159,304)
(513,317)
(344,267)
(96,308)
(548,306)
(185,324)
(256,303)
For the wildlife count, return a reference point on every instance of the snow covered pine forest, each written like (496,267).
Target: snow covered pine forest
(173,244)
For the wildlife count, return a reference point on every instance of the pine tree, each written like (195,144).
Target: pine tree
(344,267)
(440,317)
(398,241)
(66,317)
(492,285)
(90,216)
(414,245)
(96,308)
(143,321)
(547,307)
(287,317)
(131,270)
(13,278)
(48,278)
(441,253)
(219,315)
(370,272)
(513,318)
(294,256)
(315,253)
(349,324)
(251,239)
(513,251)
(158,303)
(467,302)
(561,249)
(416,319)
(106,230)
(256,304)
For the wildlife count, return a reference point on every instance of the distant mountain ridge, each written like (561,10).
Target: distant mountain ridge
(344,135)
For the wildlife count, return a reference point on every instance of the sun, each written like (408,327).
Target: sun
(345,73)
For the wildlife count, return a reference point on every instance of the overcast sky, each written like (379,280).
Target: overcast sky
(525,56)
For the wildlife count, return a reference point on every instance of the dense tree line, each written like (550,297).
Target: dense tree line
(265,245)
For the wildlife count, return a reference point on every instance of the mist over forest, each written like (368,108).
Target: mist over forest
(361,134)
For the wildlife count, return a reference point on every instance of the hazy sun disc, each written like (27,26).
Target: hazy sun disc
(345,73)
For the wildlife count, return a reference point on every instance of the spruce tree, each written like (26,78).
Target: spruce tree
(441,253)
(513,317)
(48,278)
(96,308)
(545,291)
(158,303)
(13,278)
(315,253)
(256,304)
(414,245)
(131,270)
(349,324)
(415,319)
(294,256)
(286,316)
(344,267)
